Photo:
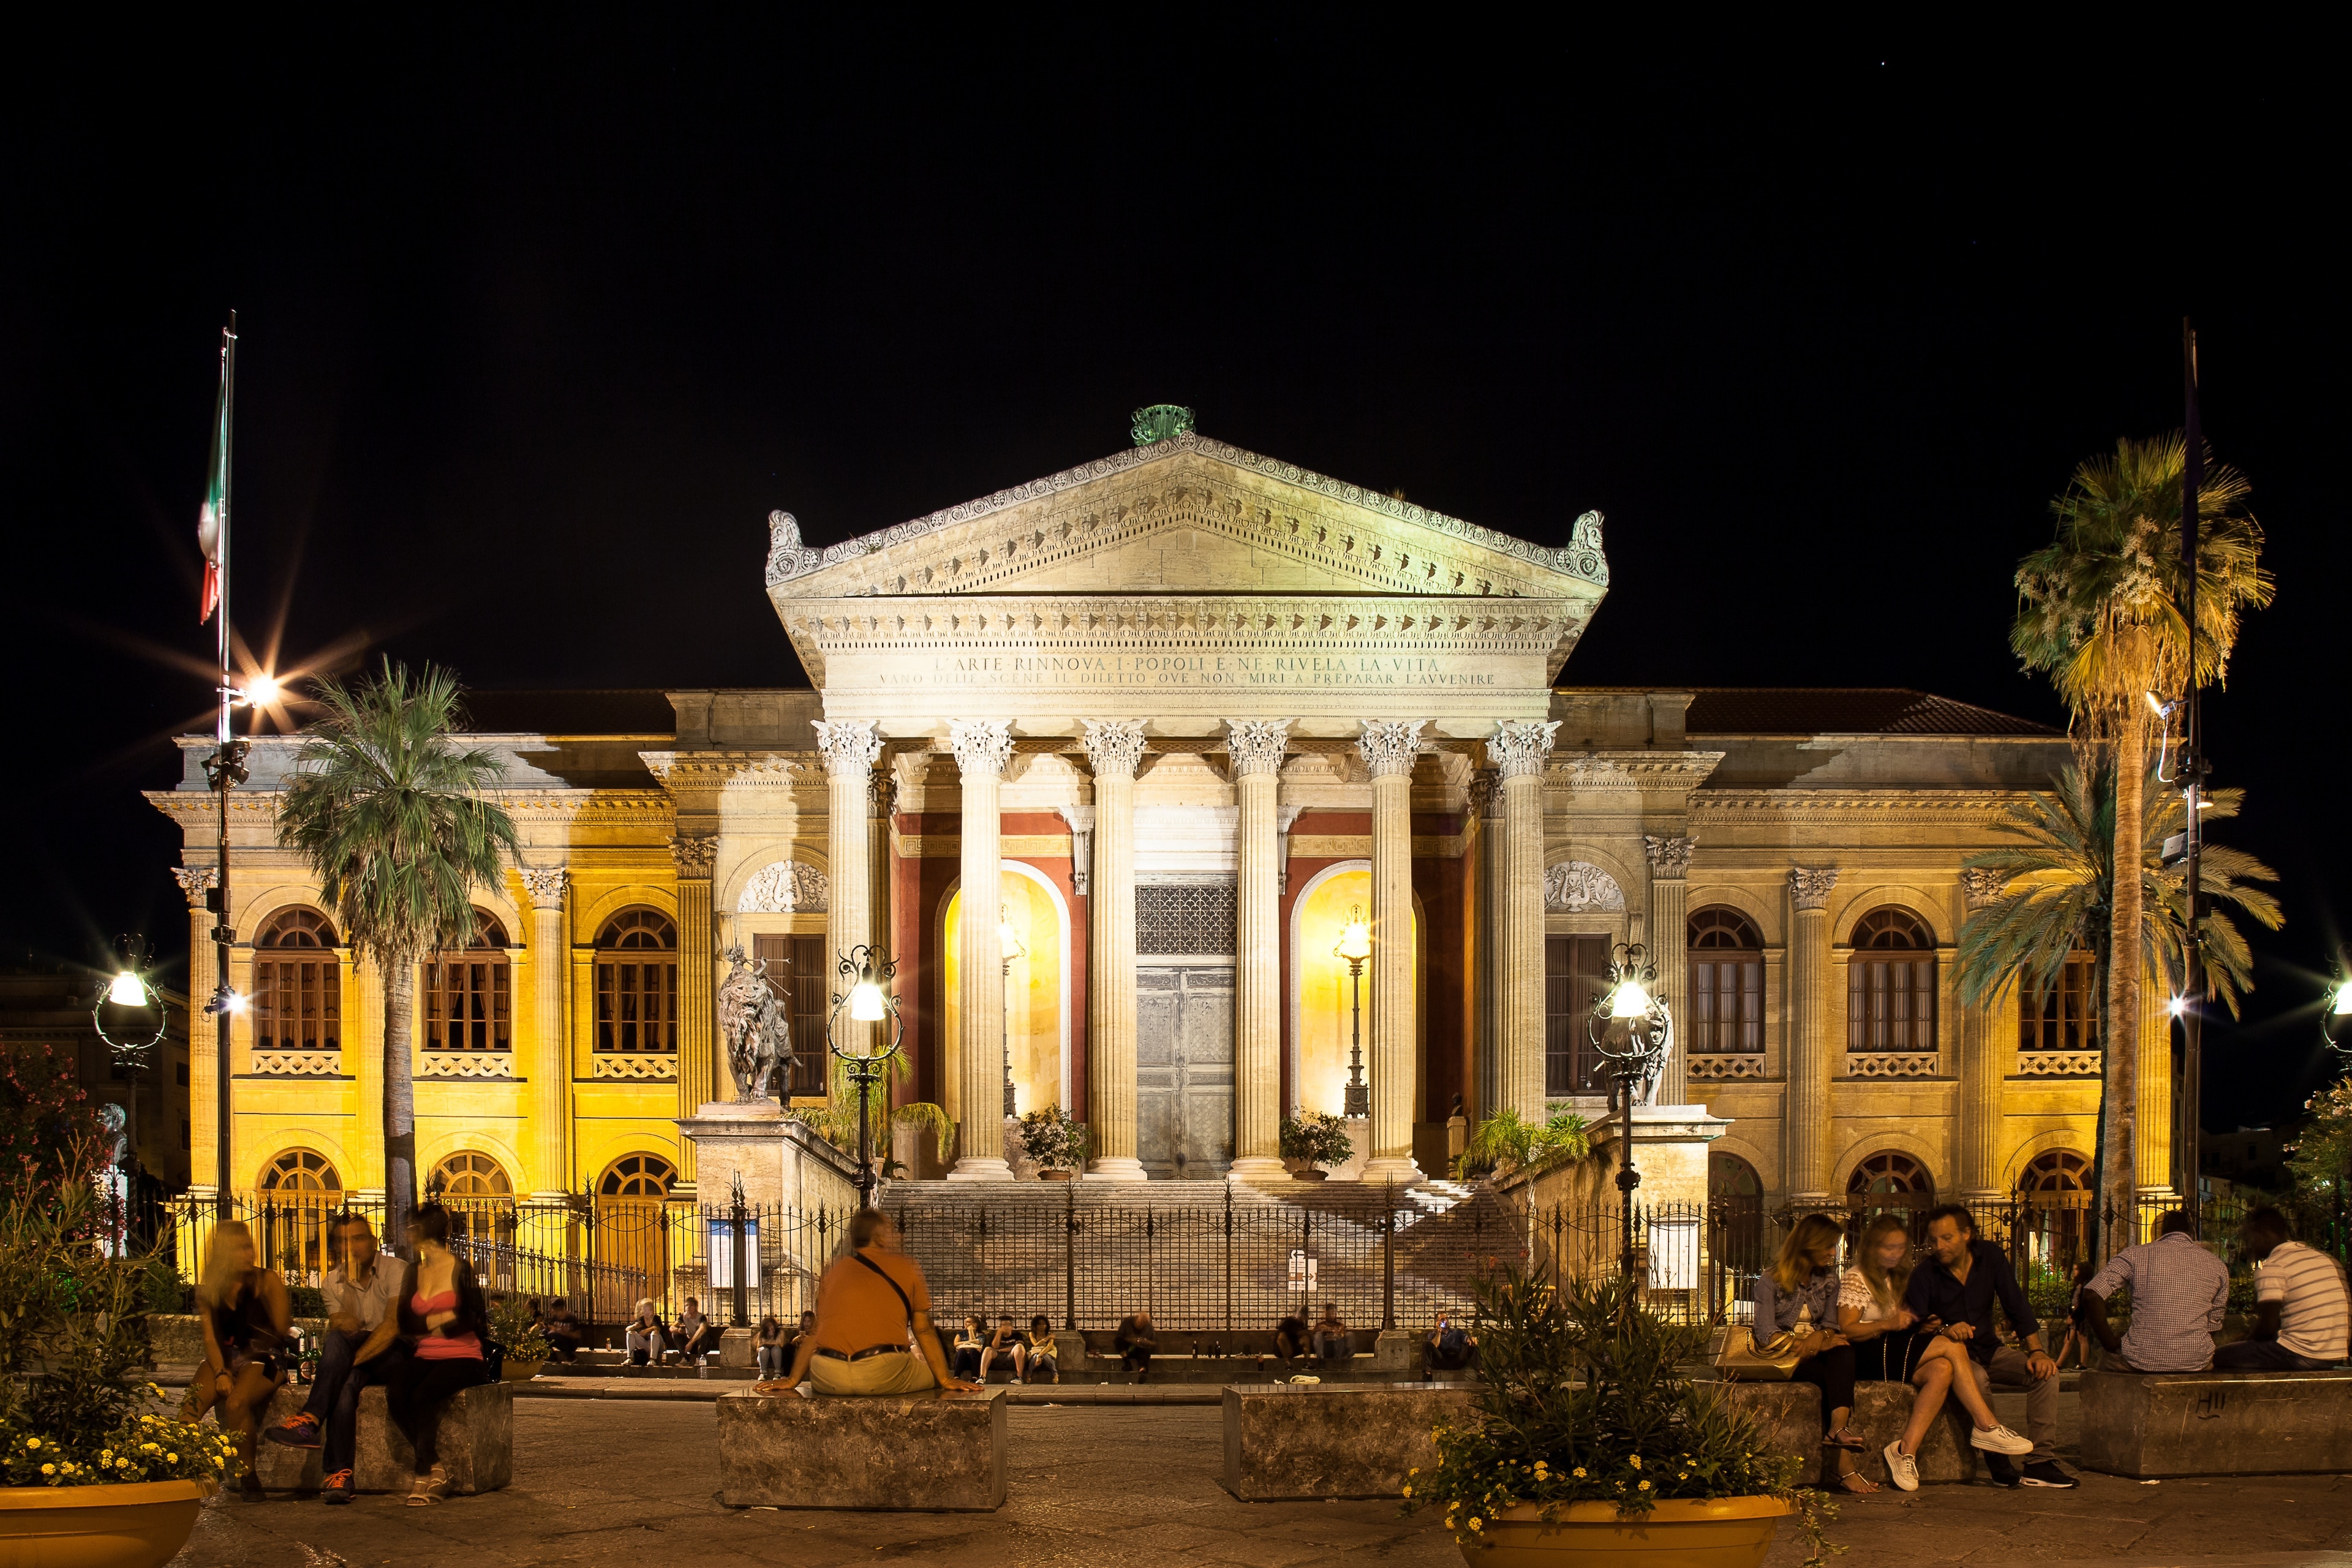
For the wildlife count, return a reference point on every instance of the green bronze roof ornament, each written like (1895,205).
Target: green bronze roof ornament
(1156,423)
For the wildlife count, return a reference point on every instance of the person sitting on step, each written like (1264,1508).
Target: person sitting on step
(1292,1343)
(1334,1350)
(1135,1342)
(1448,1349)
(1006,1347)
(1044,1365)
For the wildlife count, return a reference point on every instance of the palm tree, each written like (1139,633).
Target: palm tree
(2098,611)
(391,815)
(2059,899)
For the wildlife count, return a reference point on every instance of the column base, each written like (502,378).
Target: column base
(1258,1169)
(1398,1169)
(1118,1168)
(980,1168)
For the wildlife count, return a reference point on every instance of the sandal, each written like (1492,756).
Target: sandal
(1853,1481)
(429,1489)
(1842,1438)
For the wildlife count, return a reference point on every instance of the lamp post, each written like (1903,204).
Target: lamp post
(2336,1028)
(1628,1014)
(130,989)
(1009,944)
(1354,946)
(868,1000)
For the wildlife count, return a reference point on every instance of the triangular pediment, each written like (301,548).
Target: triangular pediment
(1184,516)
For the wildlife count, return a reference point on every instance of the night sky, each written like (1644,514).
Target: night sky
(538,325)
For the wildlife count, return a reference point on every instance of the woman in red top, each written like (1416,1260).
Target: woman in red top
(444,1322)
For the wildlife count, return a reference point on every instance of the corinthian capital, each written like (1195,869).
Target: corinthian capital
(1982,885)
(694,853)
(1487,794)
(1808,886)
(545,887)
(1116,746)
(981,745)
(1519,747)
(1669,855)
(1389,745)
(849,745)
(1257,745)
(196,882)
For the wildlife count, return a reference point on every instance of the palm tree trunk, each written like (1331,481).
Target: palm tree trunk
(2119,1093)
(399,1101)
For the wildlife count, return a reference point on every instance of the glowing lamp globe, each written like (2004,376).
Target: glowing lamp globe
(1355,943)
(1630,1000)
(2344,1000)
(127,991)
(262,691)
(866,1001)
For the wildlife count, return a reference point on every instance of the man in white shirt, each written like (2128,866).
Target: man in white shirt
(363,1296)
(2301,1311)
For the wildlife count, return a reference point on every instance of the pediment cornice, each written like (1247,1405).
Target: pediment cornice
(196,810)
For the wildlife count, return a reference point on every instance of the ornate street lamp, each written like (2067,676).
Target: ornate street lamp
(1009,946)
(1630,1016)
(870,1000)
(2335,1024)
(1354,946)
(129,990)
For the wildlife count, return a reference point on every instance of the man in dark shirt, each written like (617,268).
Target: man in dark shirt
(1953,1294)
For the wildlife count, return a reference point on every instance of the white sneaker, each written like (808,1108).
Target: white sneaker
(1901,1467)
(2000,1440)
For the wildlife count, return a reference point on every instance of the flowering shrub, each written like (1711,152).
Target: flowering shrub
(1053,1139)
(512,1326)
(1584,1401)
(147,1448)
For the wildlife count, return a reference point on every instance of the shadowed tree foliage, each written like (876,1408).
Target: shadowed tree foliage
(391,814)
(2099,613)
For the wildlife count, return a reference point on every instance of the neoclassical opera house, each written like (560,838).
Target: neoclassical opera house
(1179,712)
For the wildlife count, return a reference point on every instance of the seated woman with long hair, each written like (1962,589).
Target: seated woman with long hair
(1888,1348)
(1799,1295)
(445,1325)
(245,1315)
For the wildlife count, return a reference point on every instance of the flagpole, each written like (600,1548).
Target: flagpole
(229,772)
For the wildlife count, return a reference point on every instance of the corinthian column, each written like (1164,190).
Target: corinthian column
(1116,746)
(203,1044)
(1256,747)
(982,747)
(1487,985)
(549,1066)
(1983,1066)
(697,979)
(1518,750)
(1387,747)
(849,747)
(1669,931)
(1812,1053)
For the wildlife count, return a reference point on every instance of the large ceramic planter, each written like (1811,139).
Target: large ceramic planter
(513,1371)
(1311,1174)
(141,1525)
(1053,1175)
(1732,1532)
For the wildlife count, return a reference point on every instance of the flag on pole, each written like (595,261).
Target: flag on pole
(212,523)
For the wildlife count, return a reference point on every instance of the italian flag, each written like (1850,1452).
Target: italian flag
(212,523)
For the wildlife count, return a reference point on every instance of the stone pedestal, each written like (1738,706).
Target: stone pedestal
(935,1452)
(1788,1417)
(1289,1441)
(782,1160)
(1669,1152)
(2150,1425)
(476,1438)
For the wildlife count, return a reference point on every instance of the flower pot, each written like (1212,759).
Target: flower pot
(142,1524)
(1312,1173)
(1054,1176)
(1727,1532)
(513,1371)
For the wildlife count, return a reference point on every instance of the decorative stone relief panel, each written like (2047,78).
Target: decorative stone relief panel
(783,888)
(647,1069)
(1577,886)
(1744,1064)
(1185,918)
(2058,1064)
(1891,1064)
(466,1064)
(297,1064)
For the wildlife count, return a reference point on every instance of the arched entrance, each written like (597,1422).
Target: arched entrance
(297,1196)
(1037,986)
(632,1252)
(2053,1211)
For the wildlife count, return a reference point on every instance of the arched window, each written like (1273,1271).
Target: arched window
(1735,1203)
(637,983)
(301,1171)
(466,993)
(2059,1171)
(1891,985)
(2053,1207)
(632,1234)
(2065,1016)
(637,1176)
(1890,1181)
(469,1176)
(297,985)
(1727,982)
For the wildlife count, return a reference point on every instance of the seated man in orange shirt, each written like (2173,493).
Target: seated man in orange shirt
(873,1332)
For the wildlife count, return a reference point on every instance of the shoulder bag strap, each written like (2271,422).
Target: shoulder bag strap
(894,1286)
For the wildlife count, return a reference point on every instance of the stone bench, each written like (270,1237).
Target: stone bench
(1789,1415)
(1287,1442)
(935,1452)
(2149,1426)
(177,1339)
(1214,1357)
(475,1436)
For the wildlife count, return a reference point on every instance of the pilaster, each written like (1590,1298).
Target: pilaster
(1983,1066)
(1667,913)
(982,749)
(697,972)
(1256,747)
(1387,747)
(204,1033)
(1518,750)
(1116,748)
(2155,1144)
(1491,986)
(549,1066)
(1810,1049)
(850,748)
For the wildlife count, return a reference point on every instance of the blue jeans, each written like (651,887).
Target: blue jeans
(334,1401)
(2263,1355)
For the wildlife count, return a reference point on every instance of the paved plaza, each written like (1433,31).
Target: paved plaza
(634,1483)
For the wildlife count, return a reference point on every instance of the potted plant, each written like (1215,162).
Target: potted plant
(1315,1138)
(1054,1141)
(93,1476)
(1587,1442)
(513,1327)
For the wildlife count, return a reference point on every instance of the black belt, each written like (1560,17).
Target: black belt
(861,1356)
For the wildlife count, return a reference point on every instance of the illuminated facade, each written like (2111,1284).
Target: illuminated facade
(1184,709)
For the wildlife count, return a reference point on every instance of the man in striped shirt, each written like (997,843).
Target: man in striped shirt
(2179,1292)
(2300,1307)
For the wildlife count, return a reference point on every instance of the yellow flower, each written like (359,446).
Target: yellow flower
(172,1458)
(122,1464)
(1579,1472)
(1645,1486)
(1477,1525)
(1408,1489)
(32,1442)
(52,1469)
(1414,1471)
(1637,1461)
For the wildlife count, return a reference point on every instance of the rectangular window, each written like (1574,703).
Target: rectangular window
(465,1006)
(298,1004)
(799,976)
(1576,976)
(2065,1016)
(1890,1003)
(1726,1002)
(636,1006)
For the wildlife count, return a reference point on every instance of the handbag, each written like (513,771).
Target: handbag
(1742,1360)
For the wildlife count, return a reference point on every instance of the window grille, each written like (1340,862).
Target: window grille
(1184,918)
(2065,1016)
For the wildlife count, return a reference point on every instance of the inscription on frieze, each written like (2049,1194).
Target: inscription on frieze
(1190,670)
